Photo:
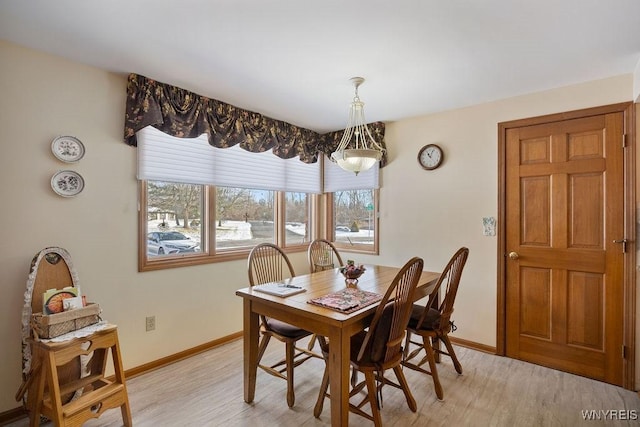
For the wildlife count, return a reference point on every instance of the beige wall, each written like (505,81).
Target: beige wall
(442,210)
(636,83)
(423,213)
(46,96)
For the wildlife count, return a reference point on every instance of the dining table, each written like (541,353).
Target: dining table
(337,326)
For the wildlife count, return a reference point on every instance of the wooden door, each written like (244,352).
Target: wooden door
(564,274)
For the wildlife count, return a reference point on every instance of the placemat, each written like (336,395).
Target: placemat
(347,300)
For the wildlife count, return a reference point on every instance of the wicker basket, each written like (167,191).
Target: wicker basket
(53,325)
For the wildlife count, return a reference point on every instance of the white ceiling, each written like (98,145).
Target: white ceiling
(292,60)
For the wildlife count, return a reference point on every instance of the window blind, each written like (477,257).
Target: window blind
(163,157)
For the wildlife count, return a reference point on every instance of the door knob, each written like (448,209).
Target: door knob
(514,255)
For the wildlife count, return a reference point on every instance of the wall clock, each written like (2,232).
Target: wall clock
(430,156)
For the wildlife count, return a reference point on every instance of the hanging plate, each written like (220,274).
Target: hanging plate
(67,183)
(68,149)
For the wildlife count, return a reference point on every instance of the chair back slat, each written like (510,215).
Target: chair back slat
(323,255)
(268,263)
(448,281)
(393,313)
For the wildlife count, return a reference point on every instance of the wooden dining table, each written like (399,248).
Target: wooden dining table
(337,326)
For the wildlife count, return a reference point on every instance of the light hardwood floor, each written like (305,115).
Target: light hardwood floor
(207,390)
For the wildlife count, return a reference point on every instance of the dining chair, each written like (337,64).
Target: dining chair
(268,263)
(433,322)
(379,348)
(323,255)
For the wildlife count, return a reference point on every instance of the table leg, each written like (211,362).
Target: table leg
(339,348)
(251,331)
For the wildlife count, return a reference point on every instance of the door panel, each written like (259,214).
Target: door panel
(535,302)
(535,211)
(585,327)
(586,212)
(564,277)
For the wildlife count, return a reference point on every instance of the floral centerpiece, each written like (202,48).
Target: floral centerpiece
(352,272)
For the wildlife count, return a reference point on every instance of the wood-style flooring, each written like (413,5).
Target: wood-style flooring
(207,390)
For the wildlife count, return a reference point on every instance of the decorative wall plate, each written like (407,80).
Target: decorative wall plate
(67,183)
(68,149)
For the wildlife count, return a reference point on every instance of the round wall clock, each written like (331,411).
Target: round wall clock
(430,156)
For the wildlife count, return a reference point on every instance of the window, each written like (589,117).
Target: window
(354,220)
(297,214)
(174,213)
(244,218)
(352,208)
(178,229)
(200,204)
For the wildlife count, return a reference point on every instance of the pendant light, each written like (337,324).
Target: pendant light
(357,151)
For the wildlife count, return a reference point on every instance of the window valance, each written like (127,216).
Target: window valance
(184,114)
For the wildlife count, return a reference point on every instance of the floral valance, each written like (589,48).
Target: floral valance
(184,114)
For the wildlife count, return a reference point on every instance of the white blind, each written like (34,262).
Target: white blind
(338,179)
(163,157)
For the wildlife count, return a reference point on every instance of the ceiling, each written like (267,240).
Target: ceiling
(292,60)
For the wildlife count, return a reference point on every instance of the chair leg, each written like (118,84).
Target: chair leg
(456,363)
(290,349)
(407,342)
(373,397)
(411,401)
(263,346)
(436,345)
(431,356)
(312,342)
(354,378)
(317,410)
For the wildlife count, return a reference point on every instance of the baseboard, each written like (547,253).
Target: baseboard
(15,414)
(147,367)
(473,345)
(12,415)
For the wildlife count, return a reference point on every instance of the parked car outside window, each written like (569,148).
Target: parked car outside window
(170,242)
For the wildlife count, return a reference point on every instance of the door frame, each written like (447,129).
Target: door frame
(629,274)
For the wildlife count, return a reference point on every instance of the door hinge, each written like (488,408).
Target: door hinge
(624,140)
(624,352)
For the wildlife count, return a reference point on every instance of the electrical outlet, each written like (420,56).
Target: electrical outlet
(151,323)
